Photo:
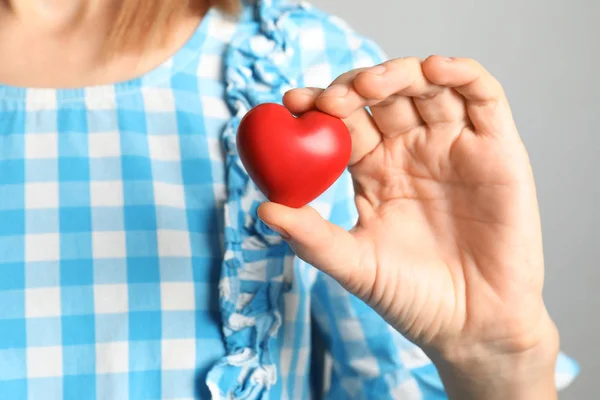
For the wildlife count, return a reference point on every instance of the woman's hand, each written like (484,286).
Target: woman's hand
(448,247)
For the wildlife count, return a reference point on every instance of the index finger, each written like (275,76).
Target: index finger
(399,77)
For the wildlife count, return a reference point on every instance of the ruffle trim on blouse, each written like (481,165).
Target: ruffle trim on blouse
(258,264)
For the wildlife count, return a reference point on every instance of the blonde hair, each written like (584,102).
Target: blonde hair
(141,21)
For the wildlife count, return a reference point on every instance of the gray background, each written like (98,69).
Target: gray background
(546,54)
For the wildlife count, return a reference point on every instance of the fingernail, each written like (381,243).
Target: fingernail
(336,90)
(447,59)
(280,231)
(378,69)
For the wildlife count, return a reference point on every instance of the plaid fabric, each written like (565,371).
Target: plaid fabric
(132,264)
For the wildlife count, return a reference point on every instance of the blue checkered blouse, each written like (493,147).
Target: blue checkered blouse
(132,262)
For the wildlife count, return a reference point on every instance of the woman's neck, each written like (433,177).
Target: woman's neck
(60,44)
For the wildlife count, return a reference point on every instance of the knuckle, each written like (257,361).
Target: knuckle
(353,73)
(498,86)
(493,85)
(376,93)
(367,91)
(414,60)
(414,64)
(403,62)
(389,101)
(347,76)
(428,94)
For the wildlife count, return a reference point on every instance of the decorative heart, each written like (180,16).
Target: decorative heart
(292,160)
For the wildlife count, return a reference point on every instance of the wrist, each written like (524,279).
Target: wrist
(478,373)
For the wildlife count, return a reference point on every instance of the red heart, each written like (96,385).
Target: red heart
(292,160)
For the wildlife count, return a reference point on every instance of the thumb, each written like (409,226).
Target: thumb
(326,246)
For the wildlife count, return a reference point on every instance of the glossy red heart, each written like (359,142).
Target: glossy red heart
(292,160)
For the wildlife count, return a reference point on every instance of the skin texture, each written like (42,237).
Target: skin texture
(448,248)
(65,41)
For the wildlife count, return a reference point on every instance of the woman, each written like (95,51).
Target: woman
(134,263)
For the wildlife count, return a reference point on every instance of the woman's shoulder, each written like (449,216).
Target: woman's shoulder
(319,44)
(327,39)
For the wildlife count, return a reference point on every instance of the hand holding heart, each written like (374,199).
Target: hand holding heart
(448,245)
